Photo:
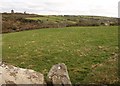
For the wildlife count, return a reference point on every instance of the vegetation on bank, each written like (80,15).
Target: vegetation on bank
(13,22)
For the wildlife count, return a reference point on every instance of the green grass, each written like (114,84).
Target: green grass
(80,48)
(50,18)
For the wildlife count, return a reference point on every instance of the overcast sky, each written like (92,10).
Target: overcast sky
(62,7)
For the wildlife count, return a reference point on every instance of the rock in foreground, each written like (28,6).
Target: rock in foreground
(14,75)
(58,75)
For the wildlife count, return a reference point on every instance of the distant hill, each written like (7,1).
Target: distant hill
(13,22)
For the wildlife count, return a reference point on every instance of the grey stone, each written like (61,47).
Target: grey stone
(14,75)
(58,75)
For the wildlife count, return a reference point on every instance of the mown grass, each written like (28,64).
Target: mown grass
(80,48)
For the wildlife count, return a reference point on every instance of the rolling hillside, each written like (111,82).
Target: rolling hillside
(13,22)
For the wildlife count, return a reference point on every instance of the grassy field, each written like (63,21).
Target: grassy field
(89,52)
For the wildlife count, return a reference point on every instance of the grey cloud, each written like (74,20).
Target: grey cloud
(74,7)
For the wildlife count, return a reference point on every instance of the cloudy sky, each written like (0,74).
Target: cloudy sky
(62,7)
